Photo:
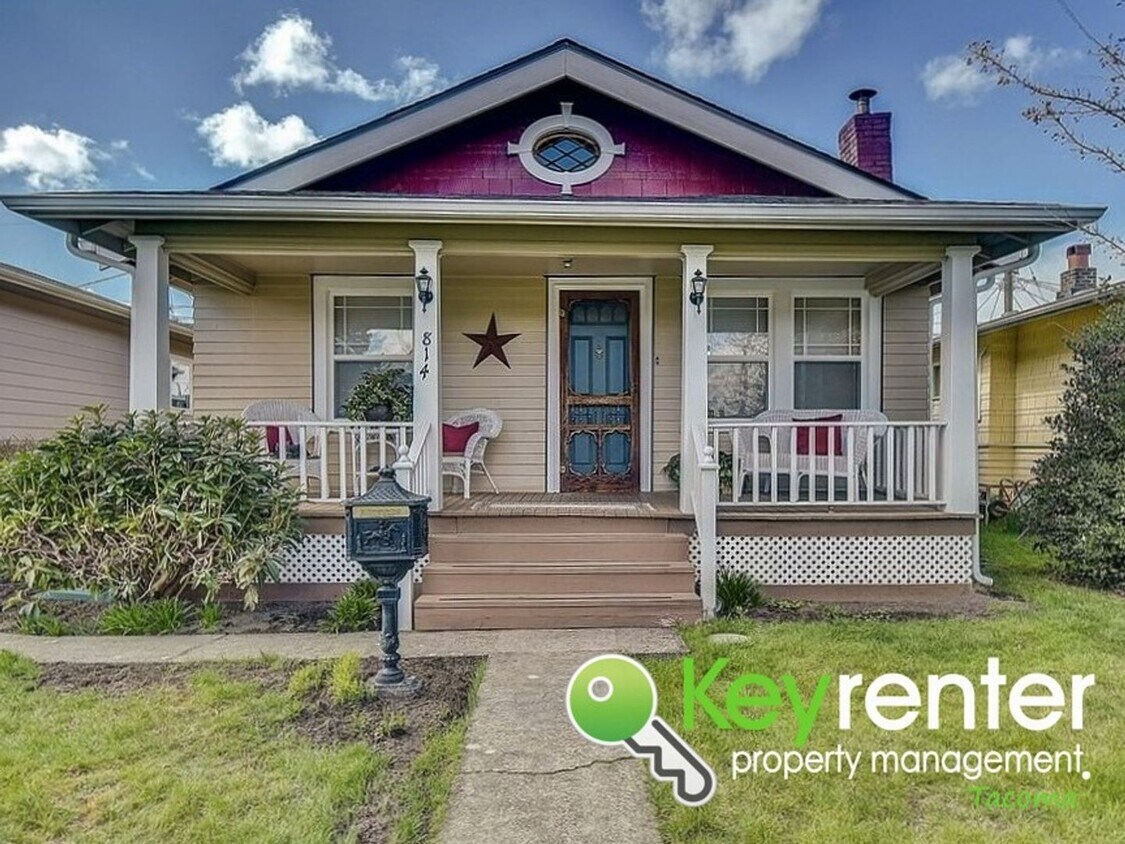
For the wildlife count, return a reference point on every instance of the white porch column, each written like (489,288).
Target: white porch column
(693,368)
(427,368)
(150,362)
(959,379)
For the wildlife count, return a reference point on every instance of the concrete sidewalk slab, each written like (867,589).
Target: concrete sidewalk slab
(208,647)
(528,777)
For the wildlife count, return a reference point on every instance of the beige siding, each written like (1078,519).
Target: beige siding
(249,348)
(666,378)
(906,354)
(54,360)
(517,458)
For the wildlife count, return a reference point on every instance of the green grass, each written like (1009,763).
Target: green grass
(215,760)
(1059,630)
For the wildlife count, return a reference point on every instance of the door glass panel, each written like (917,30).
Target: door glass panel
(583,453)
(617,449)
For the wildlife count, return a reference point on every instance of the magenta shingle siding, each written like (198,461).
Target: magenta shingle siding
(471,159)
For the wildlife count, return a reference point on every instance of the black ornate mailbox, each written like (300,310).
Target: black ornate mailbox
(387,531)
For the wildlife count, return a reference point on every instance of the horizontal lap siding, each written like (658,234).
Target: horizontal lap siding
(666,379)
(517,458)
(249,348)
(54,361)
(906,355)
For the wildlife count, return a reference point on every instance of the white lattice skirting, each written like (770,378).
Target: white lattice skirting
(845,560)
(322,558)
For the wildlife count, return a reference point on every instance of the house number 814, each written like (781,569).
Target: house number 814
(427,341)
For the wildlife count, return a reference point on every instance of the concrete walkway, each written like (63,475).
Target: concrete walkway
(527,777)
(208,647)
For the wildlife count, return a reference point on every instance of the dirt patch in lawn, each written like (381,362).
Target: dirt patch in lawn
(971,605)
(395,727)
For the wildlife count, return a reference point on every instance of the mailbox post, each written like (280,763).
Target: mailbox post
(387,531)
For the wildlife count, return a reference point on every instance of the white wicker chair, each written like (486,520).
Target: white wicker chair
(784,459)
(278,410)
(461,465)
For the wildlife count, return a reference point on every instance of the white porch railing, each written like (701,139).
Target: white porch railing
(828,463)
(333,461)
(413,462)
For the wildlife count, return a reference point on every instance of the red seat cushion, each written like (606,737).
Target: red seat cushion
(454,438)
(821,435)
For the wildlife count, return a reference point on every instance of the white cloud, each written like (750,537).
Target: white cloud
(49,159)
(290,55)
(707,37)
(240,136)
(953,79)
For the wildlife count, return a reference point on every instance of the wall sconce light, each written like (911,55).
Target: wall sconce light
(425,283)
(567,263)
(698,288)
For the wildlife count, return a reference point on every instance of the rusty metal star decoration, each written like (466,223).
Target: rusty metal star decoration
(491,344)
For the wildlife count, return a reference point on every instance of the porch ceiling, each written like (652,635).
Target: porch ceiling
(500,265)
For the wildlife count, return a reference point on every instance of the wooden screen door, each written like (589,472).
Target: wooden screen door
(600,402)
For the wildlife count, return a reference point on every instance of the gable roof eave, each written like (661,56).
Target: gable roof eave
(567,60)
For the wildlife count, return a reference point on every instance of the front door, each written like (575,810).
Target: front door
(600,401)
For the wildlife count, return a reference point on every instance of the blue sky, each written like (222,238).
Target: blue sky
(135,94)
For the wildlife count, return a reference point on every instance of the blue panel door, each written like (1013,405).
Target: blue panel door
(599,392)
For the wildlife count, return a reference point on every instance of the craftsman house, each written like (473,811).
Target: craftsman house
(667,338)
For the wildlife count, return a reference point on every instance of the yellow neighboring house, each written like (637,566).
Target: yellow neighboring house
(63,348)
(1021,357)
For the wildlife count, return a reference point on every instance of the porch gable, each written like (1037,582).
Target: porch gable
(474,158)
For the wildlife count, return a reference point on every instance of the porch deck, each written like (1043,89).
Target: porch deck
(656,505)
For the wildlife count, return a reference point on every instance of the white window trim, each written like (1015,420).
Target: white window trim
(781,292)
(566,121)
(555,286)
(325,289)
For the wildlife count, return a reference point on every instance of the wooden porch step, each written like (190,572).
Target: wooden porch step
(506,612)
(558,547)
(443,524)
(558,578)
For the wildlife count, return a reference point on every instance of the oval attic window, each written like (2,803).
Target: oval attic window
(567,152)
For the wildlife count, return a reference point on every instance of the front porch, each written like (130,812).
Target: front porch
(803,323)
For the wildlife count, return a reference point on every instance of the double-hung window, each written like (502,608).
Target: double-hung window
(369,333)
(827,352)
(738,354)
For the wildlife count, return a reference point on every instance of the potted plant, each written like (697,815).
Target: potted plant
(385,395)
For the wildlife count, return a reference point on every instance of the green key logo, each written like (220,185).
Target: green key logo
(611,699)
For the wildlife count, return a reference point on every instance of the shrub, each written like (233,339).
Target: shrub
(145,507)
(1077,507)
(163,616)
(356,610)
(736,594)
(345,685)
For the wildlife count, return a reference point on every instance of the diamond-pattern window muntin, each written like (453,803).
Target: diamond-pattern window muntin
(567,153)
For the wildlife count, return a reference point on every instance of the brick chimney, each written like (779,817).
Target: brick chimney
(1078,275)
(865,140)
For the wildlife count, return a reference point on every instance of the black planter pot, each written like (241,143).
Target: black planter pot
(378,413)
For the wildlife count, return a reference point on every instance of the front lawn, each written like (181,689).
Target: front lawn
(262,752)
(1056,629)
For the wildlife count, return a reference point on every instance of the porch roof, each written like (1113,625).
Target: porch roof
(1026,222)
